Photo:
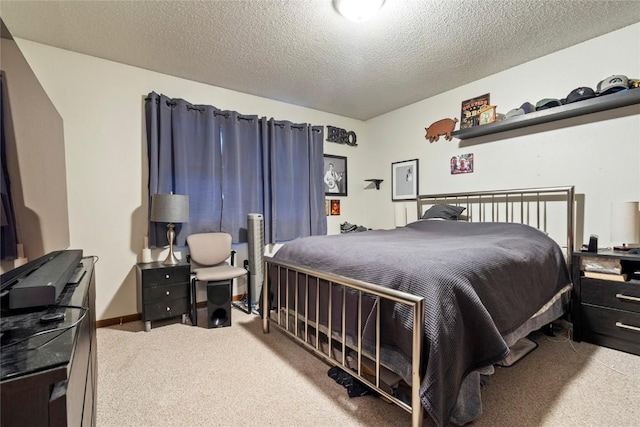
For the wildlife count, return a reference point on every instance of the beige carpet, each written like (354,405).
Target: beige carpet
(179,375)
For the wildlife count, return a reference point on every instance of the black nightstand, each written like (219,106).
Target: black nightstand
(164,291)
(605,311)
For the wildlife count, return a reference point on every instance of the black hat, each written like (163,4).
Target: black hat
(545,103)
(580,94)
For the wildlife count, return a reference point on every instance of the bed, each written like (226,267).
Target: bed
(420,313)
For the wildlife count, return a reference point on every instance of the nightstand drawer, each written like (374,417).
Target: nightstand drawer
(623,296)
(165,276)
(162,309)
(166,292)
(617,329)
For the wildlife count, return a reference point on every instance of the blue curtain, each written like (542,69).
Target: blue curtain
(295,181)
(231,165)
(185,157)
(242,169)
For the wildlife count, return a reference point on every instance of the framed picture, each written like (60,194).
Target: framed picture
(335,207)
(404,180)
(335,175)
(487,114)
(462,164)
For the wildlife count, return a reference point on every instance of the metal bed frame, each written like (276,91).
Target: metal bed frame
(526,206)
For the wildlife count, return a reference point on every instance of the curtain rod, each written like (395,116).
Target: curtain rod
(226,115)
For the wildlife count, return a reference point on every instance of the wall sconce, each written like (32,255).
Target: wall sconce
(625,224)
(170,208)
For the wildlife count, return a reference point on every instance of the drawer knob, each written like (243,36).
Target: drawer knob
(168,308)
(627,297)
(166,276)
(622,325)
(167,292)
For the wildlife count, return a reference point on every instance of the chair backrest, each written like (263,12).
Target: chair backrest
(209,249)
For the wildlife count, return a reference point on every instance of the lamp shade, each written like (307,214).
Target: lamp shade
(169,208)
(625,222)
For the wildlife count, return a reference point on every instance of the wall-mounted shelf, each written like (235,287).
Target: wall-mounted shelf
(588,106)
(376,182)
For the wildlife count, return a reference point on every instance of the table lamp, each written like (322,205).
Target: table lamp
(170,208)
(400,215)
(625,224)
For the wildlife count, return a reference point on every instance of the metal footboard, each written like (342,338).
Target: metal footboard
(291,314)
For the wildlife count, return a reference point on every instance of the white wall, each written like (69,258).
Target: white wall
(101,103)
(598,153)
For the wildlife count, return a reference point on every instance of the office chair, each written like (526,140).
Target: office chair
(208,254)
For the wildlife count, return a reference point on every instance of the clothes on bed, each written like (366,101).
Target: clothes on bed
(480,281)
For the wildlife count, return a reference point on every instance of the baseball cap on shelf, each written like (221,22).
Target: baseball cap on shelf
(514,112)
(612,84)
(528,107)
(545,103)
(525,108)
(580,94)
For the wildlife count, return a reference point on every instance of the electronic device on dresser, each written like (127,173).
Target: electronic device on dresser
(606,299)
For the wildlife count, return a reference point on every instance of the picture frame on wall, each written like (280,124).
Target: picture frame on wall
(462,163)
(335,207)
(335,175)
(404,180)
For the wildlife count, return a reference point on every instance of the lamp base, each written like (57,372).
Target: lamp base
(171,260)
(171,257)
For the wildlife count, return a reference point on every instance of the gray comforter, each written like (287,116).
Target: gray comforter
(480,281)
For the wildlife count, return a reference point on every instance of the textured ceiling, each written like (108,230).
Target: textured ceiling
(302,52)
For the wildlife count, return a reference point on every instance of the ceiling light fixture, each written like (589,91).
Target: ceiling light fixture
(357,10)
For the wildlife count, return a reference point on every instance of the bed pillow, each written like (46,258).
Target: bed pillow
(443,211)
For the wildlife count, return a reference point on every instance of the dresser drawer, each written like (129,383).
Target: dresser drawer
(619,295)
(611,328)
(165,276)
(163,309)
(166,292)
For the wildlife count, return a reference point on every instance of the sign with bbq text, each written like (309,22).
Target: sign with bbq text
(471,109)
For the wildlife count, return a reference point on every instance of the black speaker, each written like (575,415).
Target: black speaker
(219,304)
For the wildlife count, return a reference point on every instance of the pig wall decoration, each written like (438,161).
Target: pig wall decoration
(441,127)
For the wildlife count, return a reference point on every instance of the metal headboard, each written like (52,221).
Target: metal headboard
(531,206)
